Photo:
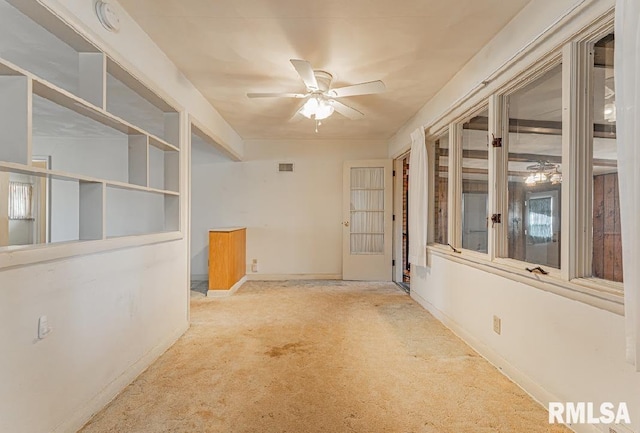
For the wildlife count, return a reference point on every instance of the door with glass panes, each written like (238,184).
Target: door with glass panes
(367,220)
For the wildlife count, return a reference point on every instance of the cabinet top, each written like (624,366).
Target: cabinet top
(226,229)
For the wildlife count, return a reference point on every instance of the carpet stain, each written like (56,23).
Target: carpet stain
(319,357)
(290,348)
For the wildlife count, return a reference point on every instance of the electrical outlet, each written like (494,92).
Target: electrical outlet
(254,265)
(497,325)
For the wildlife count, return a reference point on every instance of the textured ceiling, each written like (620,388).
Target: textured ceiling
(230,47)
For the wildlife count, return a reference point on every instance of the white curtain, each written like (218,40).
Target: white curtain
(418,199)
(627,82)
(20,201)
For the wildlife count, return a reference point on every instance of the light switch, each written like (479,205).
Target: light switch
(43,327)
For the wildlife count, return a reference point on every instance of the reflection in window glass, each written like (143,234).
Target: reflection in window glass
(535,170)
(441,189)
(607,246)
(475,183)
(540,220)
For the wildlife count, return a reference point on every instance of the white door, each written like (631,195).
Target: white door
(367,220)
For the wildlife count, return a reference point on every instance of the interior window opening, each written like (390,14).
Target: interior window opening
(441,189)
(607,245)
(475,183)
(535,171)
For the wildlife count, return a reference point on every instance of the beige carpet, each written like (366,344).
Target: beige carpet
(318,356)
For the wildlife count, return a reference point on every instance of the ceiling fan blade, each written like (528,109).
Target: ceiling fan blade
(358,89)
(346,111)
(297,116)
(305,71)
(276,95)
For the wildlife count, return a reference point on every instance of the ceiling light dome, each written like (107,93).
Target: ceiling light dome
(324,110)
(317,108)
(309,108)
(610,112)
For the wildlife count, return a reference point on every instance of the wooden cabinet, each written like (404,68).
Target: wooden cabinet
(227,257)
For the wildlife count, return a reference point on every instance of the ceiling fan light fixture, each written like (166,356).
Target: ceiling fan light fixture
(556,177)
(610,112)
(309,108)
(530,180)
(324,110)
(543,172)
(317,109)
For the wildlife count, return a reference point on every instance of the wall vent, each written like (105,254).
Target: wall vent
(285,167)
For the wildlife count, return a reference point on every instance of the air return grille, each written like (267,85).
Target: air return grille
(285,167)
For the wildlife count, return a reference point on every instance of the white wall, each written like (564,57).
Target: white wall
(133,212)
(100,157)
(111,315)
(293,220)
(557,349)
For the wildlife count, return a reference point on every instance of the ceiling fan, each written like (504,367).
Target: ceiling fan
(320,99)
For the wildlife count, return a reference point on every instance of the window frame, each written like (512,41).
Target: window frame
(456,184)
(431,140)
(501,168)
(574,279)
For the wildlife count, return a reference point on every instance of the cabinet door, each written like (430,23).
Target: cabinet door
(219,261)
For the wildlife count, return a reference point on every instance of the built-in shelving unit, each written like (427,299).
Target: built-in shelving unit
(111,145)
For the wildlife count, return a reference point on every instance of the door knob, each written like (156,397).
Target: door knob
(346,223)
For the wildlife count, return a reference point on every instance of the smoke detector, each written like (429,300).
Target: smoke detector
(108,16)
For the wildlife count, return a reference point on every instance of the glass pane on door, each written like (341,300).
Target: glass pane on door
(367,210)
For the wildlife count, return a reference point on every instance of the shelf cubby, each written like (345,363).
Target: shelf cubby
(129,99)
(131,212)
(35,40)
(139,160)
(91,210)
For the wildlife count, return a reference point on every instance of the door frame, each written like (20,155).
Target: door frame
(353,264)
(397,220)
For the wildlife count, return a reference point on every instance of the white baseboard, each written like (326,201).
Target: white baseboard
(225,293)
(83,414)
(286,277)
(528,385)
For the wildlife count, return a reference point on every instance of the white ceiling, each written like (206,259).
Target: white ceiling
(230,47)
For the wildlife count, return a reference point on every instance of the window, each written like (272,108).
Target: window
(20,201)
(535,170)
(441,189)
(551,182)
(475,183)
(607,246)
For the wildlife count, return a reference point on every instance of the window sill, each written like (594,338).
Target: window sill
(591,291)
(16,256)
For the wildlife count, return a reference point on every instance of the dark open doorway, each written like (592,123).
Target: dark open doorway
(406,266)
